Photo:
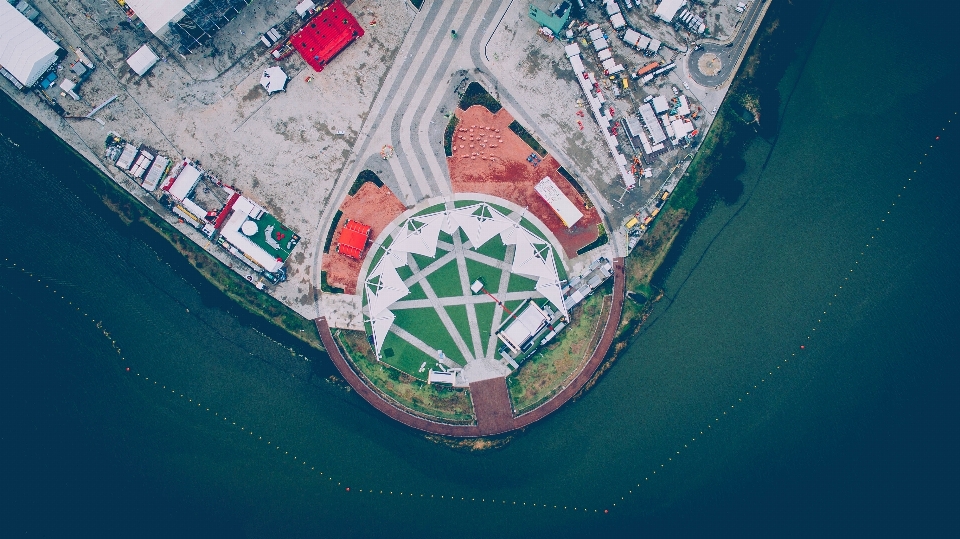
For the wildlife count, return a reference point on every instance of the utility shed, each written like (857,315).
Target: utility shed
(25,51)
(142,60)
(156,15)
(566,210)
(617,21)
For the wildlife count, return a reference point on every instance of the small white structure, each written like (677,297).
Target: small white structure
(274,79)
(25,51)
(660,104)
(68,86)
(157,14)
(304,7)
(142,60)
(668,9)
(684,108)
(560,204)
(617,21)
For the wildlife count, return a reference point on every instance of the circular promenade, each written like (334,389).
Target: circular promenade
(461,294)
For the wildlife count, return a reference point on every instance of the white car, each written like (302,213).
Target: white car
(686,86)
(675,91)
(714,111)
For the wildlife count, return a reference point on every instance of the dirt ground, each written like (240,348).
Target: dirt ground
(489,158)
(373,206)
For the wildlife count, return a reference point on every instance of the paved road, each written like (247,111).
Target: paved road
(728,53)
(409,103)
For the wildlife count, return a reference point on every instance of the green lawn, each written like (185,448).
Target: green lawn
(494,248)
(489,274)
(485,320)
(416,292)
(424,261)
(405,272)
(445,281)
(519,283)
(425,324)
(458,314)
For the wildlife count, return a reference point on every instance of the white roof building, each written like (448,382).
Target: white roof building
(684,108)
(236,231)
(617,21)
(660,104)
(185,182)
(156,14)
(566,210)
(25,51)
(668,9)
(631,36)
(523,327)
(142,60)
(653,125)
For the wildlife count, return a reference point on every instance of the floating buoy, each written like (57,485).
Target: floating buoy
(128,369)
(802,347)
(606,511)
(348,489)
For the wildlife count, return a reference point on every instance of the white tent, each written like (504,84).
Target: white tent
(142,60)
(25,51)
(155,15)
(274,79)
(384,287)
(381,326)
(419,235)
(480,223)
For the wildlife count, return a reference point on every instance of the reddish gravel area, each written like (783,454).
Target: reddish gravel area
(489,158)
(491,401)
(373,206)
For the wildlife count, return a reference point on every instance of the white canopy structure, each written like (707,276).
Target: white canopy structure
(274,79)
(384,287)
(534,257)
(142,60)
(419,235)
(156,15)
(381,325)
(25,51)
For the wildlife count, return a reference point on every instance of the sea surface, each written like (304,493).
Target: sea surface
(798,377)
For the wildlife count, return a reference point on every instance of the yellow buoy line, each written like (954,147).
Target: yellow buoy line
(512,503)
(270,441)
(809,336)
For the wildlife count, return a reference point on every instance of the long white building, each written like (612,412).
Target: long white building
(25,51)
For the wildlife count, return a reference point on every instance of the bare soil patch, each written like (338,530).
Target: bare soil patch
(489,158)
(373,206)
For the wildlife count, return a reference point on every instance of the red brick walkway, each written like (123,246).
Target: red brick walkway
(491,400)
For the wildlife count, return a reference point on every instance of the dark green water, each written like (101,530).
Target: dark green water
(853,434)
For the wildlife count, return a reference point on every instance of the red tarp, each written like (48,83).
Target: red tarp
(225,211)
(353,239)
(326,34)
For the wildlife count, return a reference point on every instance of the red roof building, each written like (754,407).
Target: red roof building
(326,34)
(353,239)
